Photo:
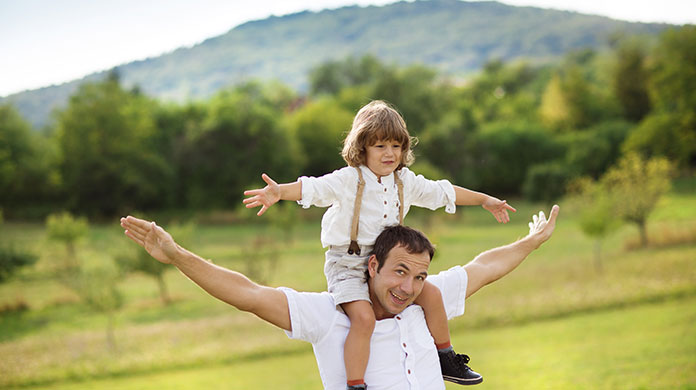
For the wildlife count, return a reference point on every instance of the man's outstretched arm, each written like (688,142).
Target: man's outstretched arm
(493,264)
(228,286)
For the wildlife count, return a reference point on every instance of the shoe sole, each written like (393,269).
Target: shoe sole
(461,381)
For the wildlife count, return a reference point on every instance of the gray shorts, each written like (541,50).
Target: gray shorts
(345,274)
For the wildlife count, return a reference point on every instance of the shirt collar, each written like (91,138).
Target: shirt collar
(387,181)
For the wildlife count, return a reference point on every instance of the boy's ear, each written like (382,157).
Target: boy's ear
(372,265)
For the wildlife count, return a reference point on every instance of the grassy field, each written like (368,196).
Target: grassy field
(557,322)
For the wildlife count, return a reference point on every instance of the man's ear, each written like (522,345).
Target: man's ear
(372,265)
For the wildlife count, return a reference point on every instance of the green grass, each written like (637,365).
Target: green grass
(60,343)
(650,346)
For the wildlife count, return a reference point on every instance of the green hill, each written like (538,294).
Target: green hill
(454,36)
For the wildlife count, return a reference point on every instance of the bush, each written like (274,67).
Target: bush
(11,260)
(547,182)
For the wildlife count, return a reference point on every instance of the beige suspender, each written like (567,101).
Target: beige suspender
(354,247)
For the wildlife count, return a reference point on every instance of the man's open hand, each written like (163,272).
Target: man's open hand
(156,241)
(540,229)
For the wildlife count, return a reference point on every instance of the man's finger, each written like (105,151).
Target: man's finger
(135,239)
(507,206)
(263,210)
(134,224)
(554,213)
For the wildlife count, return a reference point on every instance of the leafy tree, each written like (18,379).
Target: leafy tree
(12,260)
(138,260)
(26,173)
(505,151)
(319,127)
(97,286)
(576,98)
(242,136)
(597,206)
(108,161)
(65,228)
(450,145)
(547,181)
(630,80)
(638,184)
(670,129)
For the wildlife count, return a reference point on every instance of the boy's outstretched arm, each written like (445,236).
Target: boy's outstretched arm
(271,194)
(499,208)
(268,303)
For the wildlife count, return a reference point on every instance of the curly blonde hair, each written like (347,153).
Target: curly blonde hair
(377,121)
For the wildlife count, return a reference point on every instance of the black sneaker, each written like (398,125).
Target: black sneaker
(454,369)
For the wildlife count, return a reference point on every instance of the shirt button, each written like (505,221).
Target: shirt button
(404,344)
(398,318)
(385,215)
(409,371)
(385,202)
(385,190)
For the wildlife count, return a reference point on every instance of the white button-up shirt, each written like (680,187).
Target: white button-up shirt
(380,202)
(402,351)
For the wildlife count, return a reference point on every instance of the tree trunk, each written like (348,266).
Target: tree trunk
(643,233)
(163,290)
(110,336)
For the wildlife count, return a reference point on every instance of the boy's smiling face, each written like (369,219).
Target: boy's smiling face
(383,157)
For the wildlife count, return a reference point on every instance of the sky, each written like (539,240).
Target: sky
(45,42)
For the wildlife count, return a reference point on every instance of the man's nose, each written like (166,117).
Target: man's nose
(407,286)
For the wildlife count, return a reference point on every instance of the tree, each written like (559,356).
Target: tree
(26,160)
(138,260)
(670,129)
(630,80)
(637,184)
(319,127)
(109,164)
(597,206)
(65,228)
(242,136)
(97,286)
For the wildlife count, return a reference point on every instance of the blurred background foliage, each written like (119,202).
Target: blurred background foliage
(514,129)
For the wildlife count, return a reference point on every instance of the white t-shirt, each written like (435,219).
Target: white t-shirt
(380,203)
(402,351)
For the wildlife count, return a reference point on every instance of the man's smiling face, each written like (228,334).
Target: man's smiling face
(398,282)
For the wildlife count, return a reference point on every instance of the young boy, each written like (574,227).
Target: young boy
(375,190)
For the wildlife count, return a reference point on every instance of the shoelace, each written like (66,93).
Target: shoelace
(461,356)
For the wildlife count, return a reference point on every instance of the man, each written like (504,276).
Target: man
(403,354)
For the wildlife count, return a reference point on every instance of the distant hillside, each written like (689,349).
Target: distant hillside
(452,35)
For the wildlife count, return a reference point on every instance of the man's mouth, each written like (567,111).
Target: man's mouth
(398,299)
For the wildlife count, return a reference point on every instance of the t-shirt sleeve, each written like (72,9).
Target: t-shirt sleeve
(311,314)
(427,193)
(452,284)
(323,191)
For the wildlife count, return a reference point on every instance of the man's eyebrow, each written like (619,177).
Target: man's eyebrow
(402,265)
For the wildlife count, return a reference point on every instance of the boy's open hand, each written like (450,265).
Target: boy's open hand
(264,197)
(499,209)
(156,241)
